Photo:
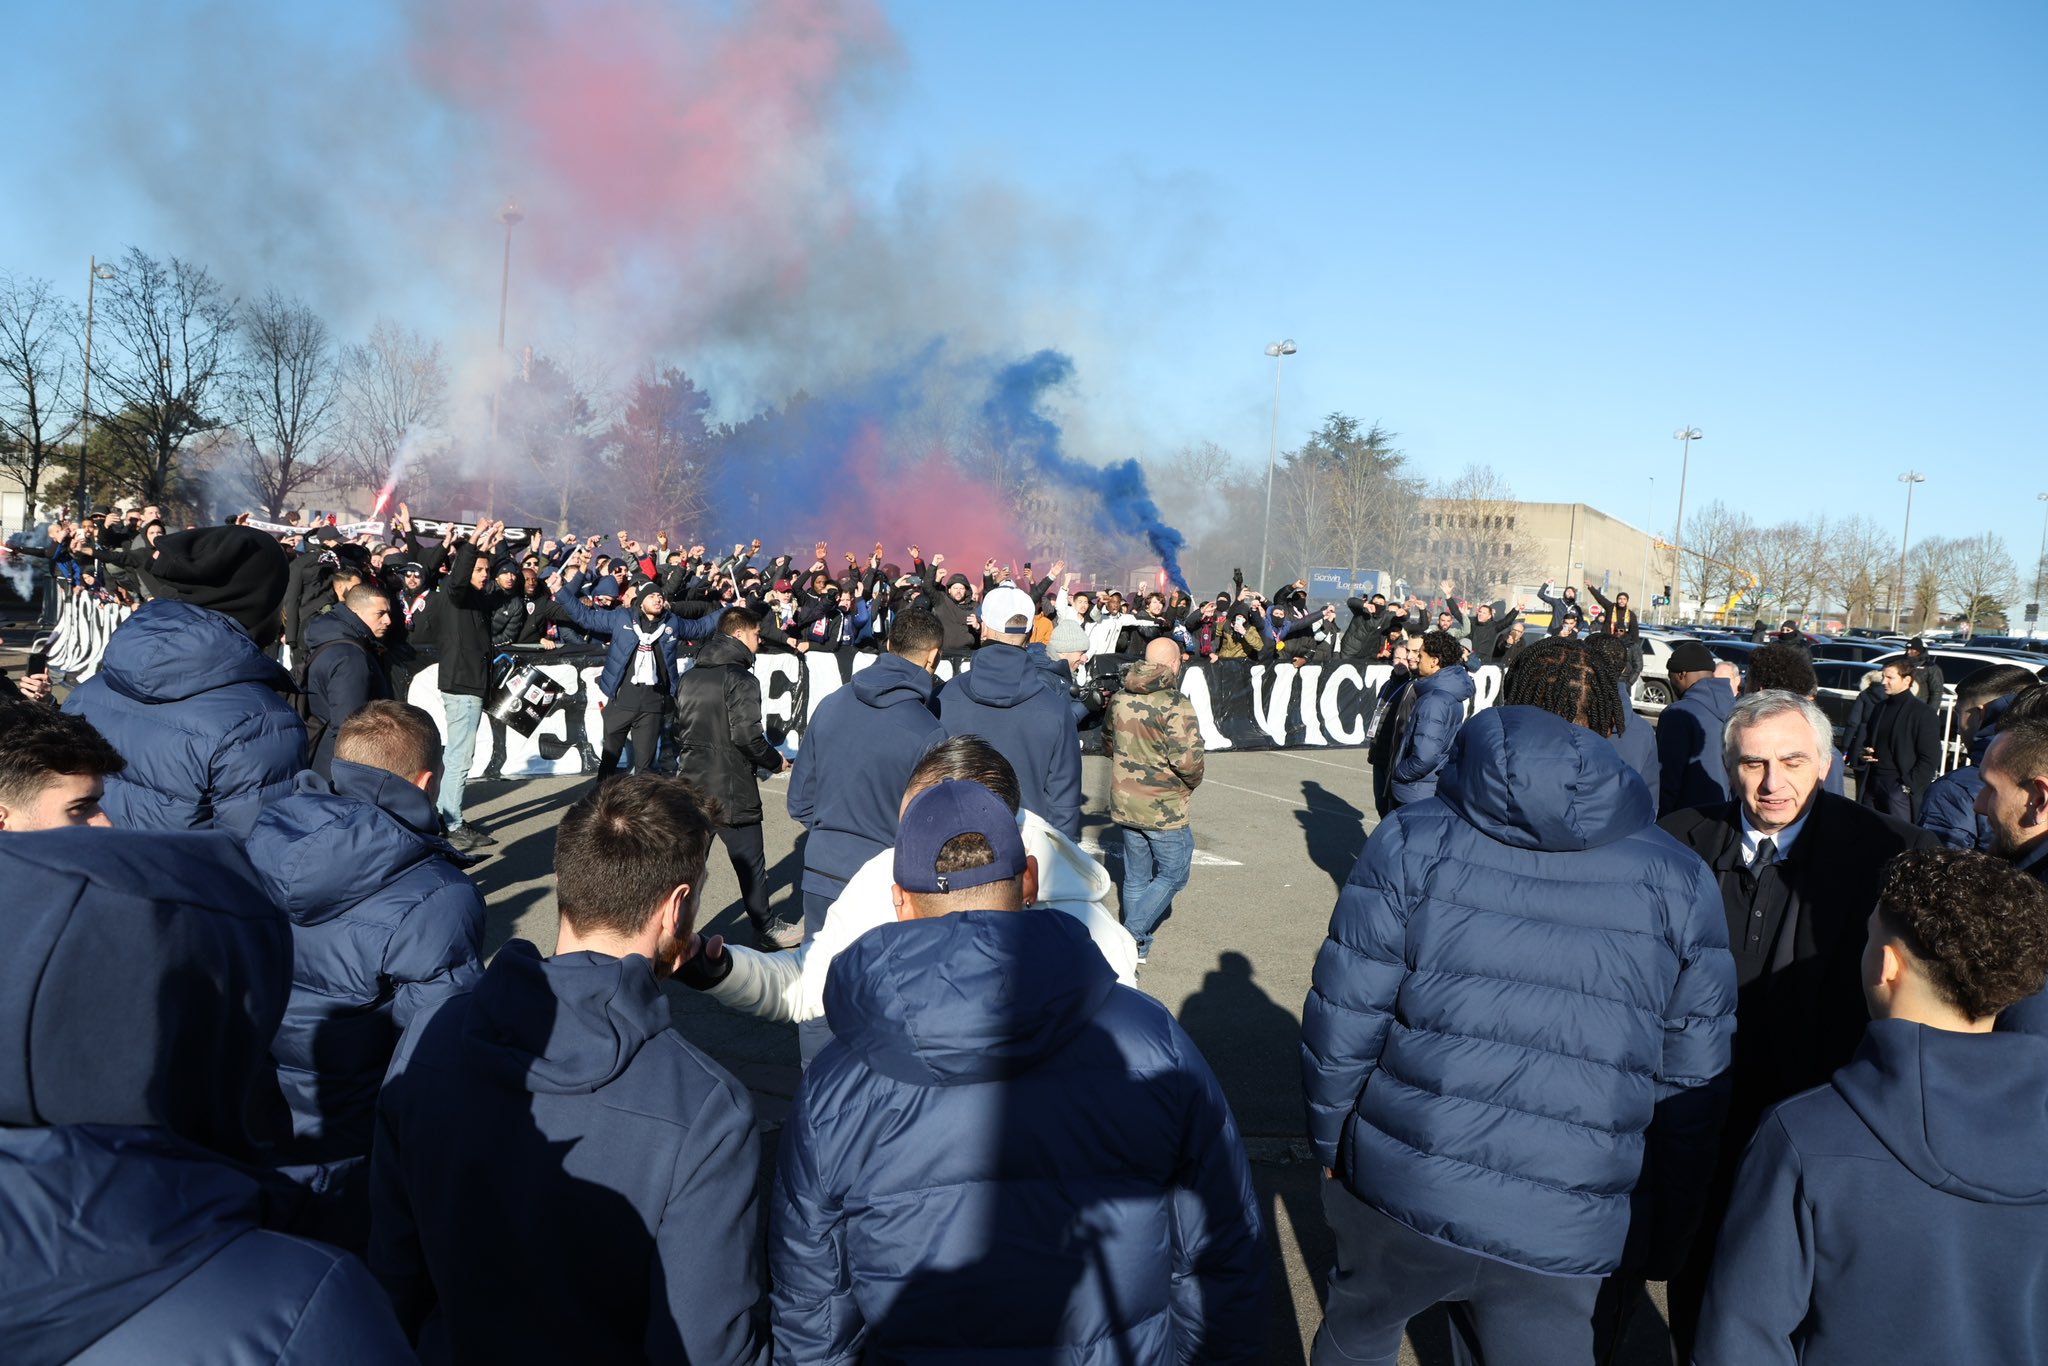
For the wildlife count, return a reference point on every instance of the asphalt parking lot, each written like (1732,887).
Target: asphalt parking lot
(1276,833)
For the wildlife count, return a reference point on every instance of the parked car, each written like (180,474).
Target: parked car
(1840,681)
(1958,666)
(1861,649)
(1652,692)
(2024,644)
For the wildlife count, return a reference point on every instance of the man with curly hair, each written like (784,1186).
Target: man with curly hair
(1914,1177)
(2014,803)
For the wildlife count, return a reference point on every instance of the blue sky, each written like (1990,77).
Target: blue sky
(1534,236)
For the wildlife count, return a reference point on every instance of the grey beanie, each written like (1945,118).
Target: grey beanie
(1067,638)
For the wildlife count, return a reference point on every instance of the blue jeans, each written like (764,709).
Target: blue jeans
(463,714)
(1155,869)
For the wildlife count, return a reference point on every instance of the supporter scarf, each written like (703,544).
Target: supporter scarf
(646,668)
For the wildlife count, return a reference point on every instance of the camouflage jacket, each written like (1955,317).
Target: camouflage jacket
(1155,751)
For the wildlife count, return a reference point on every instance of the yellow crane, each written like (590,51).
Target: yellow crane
(1750,577)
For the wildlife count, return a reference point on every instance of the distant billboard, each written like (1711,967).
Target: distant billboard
(1330,583)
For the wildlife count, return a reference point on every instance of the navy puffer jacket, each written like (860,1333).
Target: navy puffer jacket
(201,716)
(858,753)
(1691,768)
(1005,1156)
(1518,974)
(1433,708)
(133,1231)
(1005,699)
(384,925)
(616,623)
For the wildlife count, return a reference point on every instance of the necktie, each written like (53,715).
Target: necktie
(1766,855)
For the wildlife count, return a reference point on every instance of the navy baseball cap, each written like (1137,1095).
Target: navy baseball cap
(942,813)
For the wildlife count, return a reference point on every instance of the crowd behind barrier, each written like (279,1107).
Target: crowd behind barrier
(1240,706)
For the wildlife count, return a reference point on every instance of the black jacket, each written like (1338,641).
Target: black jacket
(1797,1022)
(718,722)
(1906,734)
(462,629)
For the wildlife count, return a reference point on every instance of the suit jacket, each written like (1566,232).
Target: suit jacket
(1798,1023)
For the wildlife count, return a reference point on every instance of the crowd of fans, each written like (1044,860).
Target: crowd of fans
(1601,1002)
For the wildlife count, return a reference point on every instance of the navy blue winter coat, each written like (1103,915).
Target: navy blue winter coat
(1434,708)
(1005,700)
(133,1234)
(1689,758)
(201,716)
(617,623)
(1519,975)
(1899,1213)
(1004,1155)
(856,759)
(1636,743)
(384,924)
(550,1131)
(341,681)
(1949,806)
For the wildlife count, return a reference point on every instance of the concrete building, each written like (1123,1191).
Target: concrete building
(1508,549)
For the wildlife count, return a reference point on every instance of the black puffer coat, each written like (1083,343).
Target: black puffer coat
(718,722)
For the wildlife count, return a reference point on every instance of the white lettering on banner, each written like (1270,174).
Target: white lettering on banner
(1269,703)
(1332,714)
(778,704)
(1194,685)
(523,756)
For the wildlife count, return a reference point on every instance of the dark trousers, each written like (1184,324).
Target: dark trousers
(1887,795)
(1387,1273)
(626,721)
(744,845)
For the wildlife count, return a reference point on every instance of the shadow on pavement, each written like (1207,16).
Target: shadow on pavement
(1333,829)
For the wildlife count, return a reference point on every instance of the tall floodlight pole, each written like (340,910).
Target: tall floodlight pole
(1688,435)
(1278,351)
(94,273)
(1643,574)
(2034,628)
(509,215)
(1909,478)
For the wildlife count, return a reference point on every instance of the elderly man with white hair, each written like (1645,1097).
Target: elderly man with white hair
(1800,870)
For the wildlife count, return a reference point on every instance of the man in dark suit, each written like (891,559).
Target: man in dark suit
(1799,870)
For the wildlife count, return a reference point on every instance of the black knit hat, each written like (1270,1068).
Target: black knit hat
(235,570)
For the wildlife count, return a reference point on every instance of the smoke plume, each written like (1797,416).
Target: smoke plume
(695,186)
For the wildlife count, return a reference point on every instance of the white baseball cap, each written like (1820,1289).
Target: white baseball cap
(1002,605)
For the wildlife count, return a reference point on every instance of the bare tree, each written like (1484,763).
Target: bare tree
(285,394)
(38,380)
(1720,545)
(1978,587)
(1478,545)
(1789,559)
(1856,570)
(165,367)
(393,394)
(1929,568)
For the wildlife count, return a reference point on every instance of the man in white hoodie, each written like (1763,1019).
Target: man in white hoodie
(791,986)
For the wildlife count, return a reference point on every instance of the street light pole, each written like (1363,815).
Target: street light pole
(2034,628)
(1643,574)
(508,215)
(1688,435)
(94,273)
(1279,351)
(1909,478)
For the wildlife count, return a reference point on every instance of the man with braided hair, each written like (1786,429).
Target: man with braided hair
(1634,738)
(1915,1173)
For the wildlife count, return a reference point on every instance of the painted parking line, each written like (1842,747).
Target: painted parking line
(1202,859)
(1311,759)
